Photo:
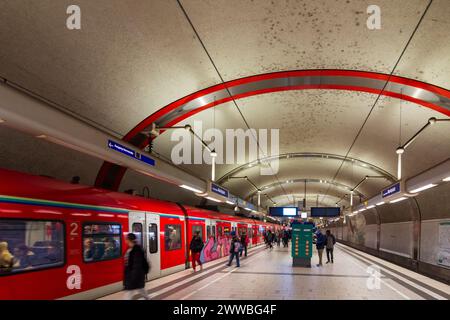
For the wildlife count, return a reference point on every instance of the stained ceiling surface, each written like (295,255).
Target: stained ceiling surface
(132,58)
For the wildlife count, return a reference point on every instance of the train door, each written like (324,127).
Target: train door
(210,230)
(250,235)
(136,221)
(153,249)
(146,228)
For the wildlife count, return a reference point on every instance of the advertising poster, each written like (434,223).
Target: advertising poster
(443,257)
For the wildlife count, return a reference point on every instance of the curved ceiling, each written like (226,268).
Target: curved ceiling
(131,59)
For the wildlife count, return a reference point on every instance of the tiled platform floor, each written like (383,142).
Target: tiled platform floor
(269,275)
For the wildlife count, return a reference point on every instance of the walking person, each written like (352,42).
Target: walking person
(244,243)
(136,267)
(234,249)
(196,247)
(285,238)
(279,238)
(320,245)
(330,241)
(270,239)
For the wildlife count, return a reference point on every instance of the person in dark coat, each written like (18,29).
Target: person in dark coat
(320,245)
(234,249)
(136,268)
(196,247)
(244,243)
(330,241)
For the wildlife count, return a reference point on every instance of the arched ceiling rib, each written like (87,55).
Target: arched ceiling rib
(290,156)
(404,89)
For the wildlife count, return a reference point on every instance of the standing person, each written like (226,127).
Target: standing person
(6,258)
(136,267)
(285,238)
(320,245)
(270,239)
(196,247)
(234,249)
(278,238)
(330,241)
(244,243)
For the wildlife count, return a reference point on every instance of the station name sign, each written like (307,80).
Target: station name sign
(219,190)
(391,190)
(130,152)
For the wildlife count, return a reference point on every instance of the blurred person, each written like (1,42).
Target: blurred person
(136,268)
(23,257)
(110,250)
(6,258)
(234,249)
(330,241)
(196,247)
(244,243)
(88,250)
(320,245)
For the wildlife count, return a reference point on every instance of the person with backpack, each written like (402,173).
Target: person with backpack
(196,247)
(320,245)
(136,268)
(234,249)
(330,241)
(244,243)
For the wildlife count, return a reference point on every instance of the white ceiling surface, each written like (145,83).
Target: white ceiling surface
(132,58)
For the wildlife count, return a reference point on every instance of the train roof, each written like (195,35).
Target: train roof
(16,185)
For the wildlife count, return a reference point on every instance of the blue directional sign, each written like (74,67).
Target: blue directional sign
(219,190)
(130,152)
(391,190)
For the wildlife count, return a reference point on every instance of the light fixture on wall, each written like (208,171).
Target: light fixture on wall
(425,187)
(190,188)
(398,200)
(446,179)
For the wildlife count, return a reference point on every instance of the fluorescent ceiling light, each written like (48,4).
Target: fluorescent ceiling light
(446,179)
(248,209)
(363,209)
(229,202)
(379,203)
(398,200)
(370,207)
(41,136)
(190,188)
(428,186)
(1,120)
(213,199)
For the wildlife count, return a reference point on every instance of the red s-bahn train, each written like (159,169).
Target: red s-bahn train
(66,241)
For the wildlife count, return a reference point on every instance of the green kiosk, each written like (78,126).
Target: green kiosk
(302,236)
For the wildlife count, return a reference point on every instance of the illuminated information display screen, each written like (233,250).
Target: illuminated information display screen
(283,211)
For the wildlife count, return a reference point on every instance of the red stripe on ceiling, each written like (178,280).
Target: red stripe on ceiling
(106,167)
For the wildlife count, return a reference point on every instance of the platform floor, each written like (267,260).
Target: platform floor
(269,275)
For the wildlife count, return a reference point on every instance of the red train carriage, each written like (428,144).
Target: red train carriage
(74,235)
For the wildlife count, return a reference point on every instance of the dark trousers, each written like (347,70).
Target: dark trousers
(330,252)
(244,250)
(232,255)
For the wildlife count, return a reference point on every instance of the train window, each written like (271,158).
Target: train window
(214,232)
(136,228)
(196,229)
(172,237)
(208,231)
(101,241)
(219,231)
(30,245)
(153,238)
(250,233)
